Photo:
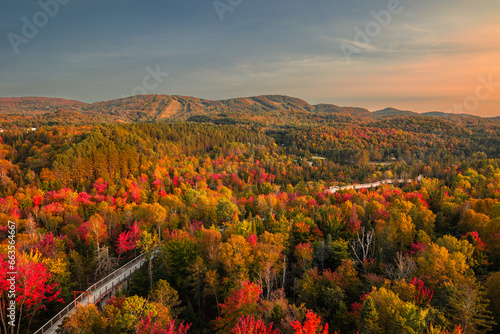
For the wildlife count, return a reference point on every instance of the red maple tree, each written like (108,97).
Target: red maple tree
(243,301)
(311,325)
(146,327)
(250,325)
(32,288)
(127,240)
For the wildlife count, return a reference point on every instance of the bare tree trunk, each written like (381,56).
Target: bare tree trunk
(19,320)
(4,318)
(363,246)
(284,272)
(31,318)
(150,272)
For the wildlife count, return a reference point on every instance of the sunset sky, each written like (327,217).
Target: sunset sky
(421,55)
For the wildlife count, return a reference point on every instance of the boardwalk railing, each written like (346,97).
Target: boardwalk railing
(96,291)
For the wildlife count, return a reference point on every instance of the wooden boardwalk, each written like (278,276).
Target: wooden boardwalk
(96,292)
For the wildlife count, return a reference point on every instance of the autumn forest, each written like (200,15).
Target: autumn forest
(234,206)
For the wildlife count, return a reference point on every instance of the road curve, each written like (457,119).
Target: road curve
(376,184)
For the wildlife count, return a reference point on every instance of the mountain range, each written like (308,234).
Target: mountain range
(162,108)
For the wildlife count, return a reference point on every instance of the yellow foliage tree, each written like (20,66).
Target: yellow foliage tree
(437,265)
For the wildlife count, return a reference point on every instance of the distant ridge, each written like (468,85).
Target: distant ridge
(37,105)
(161,108)
(394,112)
(157,108)
(443,114)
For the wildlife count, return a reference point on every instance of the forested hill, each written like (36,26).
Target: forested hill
(165,108)
(158,108)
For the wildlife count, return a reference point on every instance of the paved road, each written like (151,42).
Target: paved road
(333,190)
